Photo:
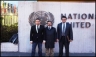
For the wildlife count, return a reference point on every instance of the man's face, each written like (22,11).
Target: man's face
(49,24)
(64,20)
(37,22)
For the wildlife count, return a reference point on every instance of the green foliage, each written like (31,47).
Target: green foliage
(1,20)
(7,32)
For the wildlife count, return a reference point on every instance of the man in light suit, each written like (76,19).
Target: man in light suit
(65,36)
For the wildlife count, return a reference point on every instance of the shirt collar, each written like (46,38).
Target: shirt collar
(49,26)
(38,25)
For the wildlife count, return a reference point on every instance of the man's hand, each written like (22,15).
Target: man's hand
(70,40)
(44,41)
(31,42)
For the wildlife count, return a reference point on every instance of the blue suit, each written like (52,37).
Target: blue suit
(64,40)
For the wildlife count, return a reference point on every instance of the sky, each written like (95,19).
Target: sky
(12,2)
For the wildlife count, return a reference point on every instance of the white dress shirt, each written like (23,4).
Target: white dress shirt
(37,28)
(49,27)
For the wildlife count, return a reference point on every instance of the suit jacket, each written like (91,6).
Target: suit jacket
(50,37)
(37,37)
(68,31)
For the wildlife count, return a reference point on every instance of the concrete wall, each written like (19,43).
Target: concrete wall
(84,38)
(9,47)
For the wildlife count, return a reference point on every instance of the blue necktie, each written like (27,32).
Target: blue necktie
(63,32)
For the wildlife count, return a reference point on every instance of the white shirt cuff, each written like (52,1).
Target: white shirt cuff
(31,41)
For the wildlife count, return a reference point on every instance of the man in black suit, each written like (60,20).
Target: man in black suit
(37,37)
(65,36)
(50,39)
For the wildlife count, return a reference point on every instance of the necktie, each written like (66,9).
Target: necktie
(37,28)
(63,32)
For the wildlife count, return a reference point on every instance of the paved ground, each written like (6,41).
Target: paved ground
(19,54)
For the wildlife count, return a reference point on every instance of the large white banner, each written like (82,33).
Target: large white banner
(80,15)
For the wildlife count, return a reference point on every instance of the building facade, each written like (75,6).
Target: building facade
(80,14)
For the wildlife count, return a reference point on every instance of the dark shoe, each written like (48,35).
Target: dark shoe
(60,56)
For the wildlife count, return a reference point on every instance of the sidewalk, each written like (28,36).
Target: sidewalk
(19,54)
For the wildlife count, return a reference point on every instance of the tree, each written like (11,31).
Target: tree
(1,21)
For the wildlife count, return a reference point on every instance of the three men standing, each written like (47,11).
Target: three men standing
(48,35)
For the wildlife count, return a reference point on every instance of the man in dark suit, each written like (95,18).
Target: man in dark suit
(65,36)
(50,39)
(37,37)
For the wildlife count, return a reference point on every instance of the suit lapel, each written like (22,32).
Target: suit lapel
(66,27)
(35,28)
(61,27)
(51,28)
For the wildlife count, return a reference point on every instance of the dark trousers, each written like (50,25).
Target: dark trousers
(34,49)
(63,42)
